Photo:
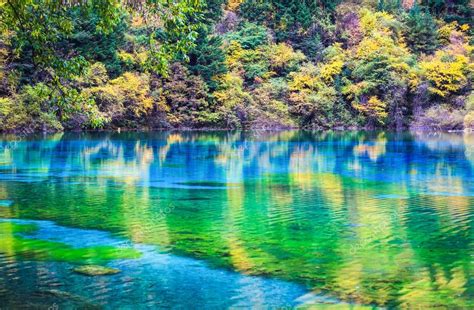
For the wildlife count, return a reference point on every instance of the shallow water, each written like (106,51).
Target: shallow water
(229,219)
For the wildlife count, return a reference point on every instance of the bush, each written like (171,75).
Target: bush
(268,110)
(446,73)
(126,100)
(283,59)
(232,101)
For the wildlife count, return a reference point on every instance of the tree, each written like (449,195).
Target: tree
(125,101)
(186,99)
(39,25)
(46,39)
(420,32)
(460,11)
(207,58)
(380,69)
(232,100)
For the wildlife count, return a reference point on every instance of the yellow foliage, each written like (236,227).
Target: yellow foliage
(445,72)
(136,89)
(453,33)
(3,61)
(352,90)
(133,59)
(375,21)
(464,28)
(6,105)
(414,79)
(334,62)
(330,70)
(444,32)
(231,92)
(380,44)
(374,108)
(282,55)
(312,87)
(233,5)
(313,78)
(129,91)
(235,53)
(306,78)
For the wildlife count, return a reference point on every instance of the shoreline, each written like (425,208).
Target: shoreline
(219,129)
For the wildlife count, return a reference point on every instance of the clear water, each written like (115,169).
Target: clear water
(229,219)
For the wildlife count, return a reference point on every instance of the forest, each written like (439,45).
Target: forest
(239,64)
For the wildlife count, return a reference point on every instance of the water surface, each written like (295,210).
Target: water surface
(231,219)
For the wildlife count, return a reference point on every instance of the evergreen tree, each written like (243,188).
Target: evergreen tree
(421,32)
(455,10)
(207,59)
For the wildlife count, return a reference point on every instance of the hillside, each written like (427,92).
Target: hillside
(249,64)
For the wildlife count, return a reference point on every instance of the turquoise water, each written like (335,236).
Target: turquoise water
(232,219)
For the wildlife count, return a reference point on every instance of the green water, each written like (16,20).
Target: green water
(374,219)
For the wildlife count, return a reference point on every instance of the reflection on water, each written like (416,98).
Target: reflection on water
(371,218)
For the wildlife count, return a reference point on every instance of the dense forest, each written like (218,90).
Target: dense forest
(250,64)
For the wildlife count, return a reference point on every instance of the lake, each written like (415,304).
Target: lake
(213,220)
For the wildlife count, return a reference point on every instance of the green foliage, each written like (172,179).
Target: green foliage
(124,101)
(94,45)
(380,68)
(234,64)
(306,24)
(185,99)
(213,10)
(268,109)
(207,59)
(420,32)
(232,101)
(314,96)
(460,11)
(249,36)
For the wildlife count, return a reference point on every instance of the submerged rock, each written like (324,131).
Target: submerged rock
(81,302)
(95,270)
(6,203)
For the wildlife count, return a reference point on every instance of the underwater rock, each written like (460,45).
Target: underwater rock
(81,302)
(6,203)
(95,270)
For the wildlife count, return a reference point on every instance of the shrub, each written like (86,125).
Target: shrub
(283,59)
(446,73)
(232,101)
(268,110)
(124,101)
(94,75)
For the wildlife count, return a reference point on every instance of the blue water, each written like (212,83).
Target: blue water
(156,280)
(240,219)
